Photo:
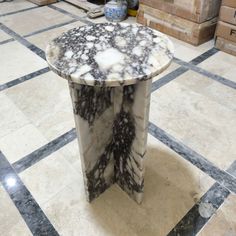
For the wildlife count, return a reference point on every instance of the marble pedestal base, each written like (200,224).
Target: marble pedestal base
(112,125)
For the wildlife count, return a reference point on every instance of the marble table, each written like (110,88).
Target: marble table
(109,68)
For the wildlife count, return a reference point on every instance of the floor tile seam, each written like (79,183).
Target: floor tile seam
(72,15)
(197,159)
(18,11)
(32,203)
(206,73)
(24,163)
(205,199)
(22,79)
(24,42)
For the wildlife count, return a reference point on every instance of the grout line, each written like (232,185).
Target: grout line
(41,31)
(23,78)
(70,14)
(204,56)
(30,211)
(7,41)
(211,201)
(206,73)
(215,77)
(23,41)
(19,11)
(222,177)
(185,66)
(162,82)
(44,151)
(168,78)
(168,140)
(50,28)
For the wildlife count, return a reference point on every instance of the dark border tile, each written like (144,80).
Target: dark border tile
(206,73)
(221,176)
(15,12)
(82,19)
(203,210)
(50,28)
(29,209)
(204,56)
(23,78)
(23,41)
(44,151)
(168,78)
(7,41)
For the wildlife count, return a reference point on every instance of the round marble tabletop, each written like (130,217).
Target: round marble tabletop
(109,54)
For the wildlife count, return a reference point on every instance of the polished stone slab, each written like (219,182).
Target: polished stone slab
(23,78)
(222,177)
(44,151)
(29,209)
(208,74)
(23,41)
(109,68)
(109,54)
(200,214)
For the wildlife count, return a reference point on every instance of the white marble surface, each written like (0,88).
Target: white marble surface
(109,54)
(111,116)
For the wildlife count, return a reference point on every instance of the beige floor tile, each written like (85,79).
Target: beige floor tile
(21,142)
(221,64)
(27,22)
(173,66)
(172,186)
(11,117)
(18,5)
(188,52)
(223,223)
(3,36)
(209,88)
(71,152)
(82,218)
(46,102)
(197,117)
(47,177)
(70,8)
(16,61)
(41,40)
(11,223)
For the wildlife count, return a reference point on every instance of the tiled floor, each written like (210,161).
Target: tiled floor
(190,183)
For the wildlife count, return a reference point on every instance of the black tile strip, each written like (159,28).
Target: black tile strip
(185,66)
(204,56)
(29,209)
(215,77)
(167,78)
(206,73)
(23,41)
(15,12)
(44,151)
(220,176)
(50,28)
(23,78)
(70,14)
(7,41)
(41,31)
(203,210)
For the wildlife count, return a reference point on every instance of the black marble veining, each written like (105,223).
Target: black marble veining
(118,149)
(109,54)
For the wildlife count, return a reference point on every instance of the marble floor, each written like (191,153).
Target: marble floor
(190,181)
